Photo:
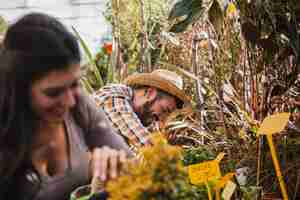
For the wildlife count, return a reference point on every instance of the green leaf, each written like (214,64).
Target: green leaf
(181,8)
(3,25)
(216,16)
(86,85)
(185,13)
(89,55)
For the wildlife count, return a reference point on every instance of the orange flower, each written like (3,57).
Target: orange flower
(108,48)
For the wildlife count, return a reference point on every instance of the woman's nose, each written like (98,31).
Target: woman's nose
(69,98)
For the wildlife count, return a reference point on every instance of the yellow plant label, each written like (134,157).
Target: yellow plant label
(209,194)
(205,171)
(228,190)
(277,167)
(273,124)
(222,181)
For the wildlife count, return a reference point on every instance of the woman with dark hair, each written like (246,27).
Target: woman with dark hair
(48,128)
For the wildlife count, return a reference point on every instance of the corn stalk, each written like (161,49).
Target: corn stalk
(115,58)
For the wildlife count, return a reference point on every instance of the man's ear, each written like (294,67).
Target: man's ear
(151,93)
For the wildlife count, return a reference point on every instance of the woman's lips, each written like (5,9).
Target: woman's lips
(59,113)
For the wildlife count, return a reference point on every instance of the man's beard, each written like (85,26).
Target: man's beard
(145,114)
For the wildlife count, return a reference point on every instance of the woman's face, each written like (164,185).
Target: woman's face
(55,94)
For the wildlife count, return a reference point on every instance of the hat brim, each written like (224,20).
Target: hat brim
(157,82)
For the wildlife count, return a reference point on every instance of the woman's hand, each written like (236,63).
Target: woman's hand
(106,163)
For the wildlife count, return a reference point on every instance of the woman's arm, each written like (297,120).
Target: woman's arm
(105,162)
(99,132)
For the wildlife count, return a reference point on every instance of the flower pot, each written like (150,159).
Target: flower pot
(84,193)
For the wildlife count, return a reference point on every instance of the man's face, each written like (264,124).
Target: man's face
(156,109)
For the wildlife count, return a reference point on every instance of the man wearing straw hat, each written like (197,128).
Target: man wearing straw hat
(141,102)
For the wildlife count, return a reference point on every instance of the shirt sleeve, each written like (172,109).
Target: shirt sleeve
(120,112)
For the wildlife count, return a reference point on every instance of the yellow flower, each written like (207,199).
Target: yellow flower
(161,164)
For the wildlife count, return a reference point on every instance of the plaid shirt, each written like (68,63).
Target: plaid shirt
(116,102)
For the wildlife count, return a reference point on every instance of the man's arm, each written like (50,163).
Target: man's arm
(120,113)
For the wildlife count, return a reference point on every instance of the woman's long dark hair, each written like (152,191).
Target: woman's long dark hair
(33,46)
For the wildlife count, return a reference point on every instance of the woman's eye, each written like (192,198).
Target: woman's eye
(53,93)
(75,84)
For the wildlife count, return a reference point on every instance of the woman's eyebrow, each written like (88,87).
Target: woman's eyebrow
(63,87)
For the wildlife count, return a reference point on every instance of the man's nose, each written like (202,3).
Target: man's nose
(163,117)
(69,98)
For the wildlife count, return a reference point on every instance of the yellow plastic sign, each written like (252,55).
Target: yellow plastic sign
(206,171)
(273,124)
(223,181)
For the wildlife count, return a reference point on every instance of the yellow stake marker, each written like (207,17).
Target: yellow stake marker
(205,171)
(273,124)
(221,184)
(218,197)
(208,191)
(270,125)
(277,167)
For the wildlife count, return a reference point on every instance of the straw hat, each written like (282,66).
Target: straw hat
(165,80)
